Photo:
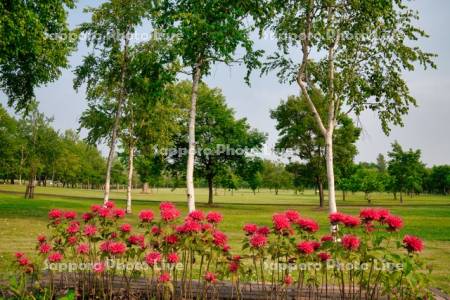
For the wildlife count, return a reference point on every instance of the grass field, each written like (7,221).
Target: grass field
(427,216)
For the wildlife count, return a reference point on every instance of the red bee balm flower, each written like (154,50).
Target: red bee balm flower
(281,222)
(305,247)
(146,216)
(220,238)
(164,277)
(383,214)
(292,215)
(72,240)
(308,225)
(23,261)
(326,238)
(197,215)
(74,227)
(233,267)
(87,216)
(171,239)
(192,226)
(166,205)
(323,256)
(83,248)
(137,240)
(169,214)
(264,230)
(45,248)
(413,243)
(369,214)
(70,215)
(210,277)
(104,212)
(95,208)
(90,230)
(288,280)
(207,227)
(41,238)
(394,223)
(336,217)
(99,267)
(258,241)
(214,217)
(153,258)
(118,213)
(350,221)
(173,258)
(110,204)
(125,227)
(250,228)
(55,257)
(350,242)
(55,214)
(117,248)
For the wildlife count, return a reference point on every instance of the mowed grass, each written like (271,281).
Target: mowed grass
(427,216)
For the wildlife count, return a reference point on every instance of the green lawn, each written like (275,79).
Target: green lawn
(425,216)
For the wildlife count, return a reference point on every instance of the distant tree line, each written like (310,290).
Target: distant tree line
(32,151)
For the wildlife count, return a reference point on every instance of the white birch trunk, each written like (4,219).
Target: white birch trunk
(191,152)
(330,172)
(130,178)
(115,128)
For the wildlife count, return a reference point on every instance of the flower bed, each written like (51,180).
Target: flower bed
(364,257)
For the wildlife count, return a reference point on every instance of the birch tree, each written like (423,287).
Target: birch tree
(355,52)
(205,33)
(105,69)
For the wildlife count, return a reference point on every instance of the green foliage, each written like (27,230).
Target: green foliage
(406,170)
(275,176)
(372,43)
(300,137)
(31,147)
(207,32)
(224,143)
(35,44)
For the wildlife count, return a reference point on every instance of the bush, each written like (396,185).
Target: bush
(363,257)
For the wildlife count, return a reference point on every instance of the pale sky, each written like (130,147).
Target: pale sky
(427,127)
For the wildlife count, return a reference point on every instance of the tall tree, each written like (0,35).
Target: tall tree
(354,51)
(105,70)
(35,45)
(406,170)
(223,141)
(381,163)
(300,135)
(275,176)
(152,69)
(205,32)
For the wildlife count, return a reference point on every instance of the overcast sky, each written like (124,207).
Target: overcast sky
(427,127)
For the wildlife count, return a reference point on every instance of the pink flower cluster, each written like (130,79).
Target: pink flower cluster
(367,216)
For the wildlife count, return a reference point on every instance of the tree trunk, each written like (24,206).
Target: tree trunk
(401,197)
(145,188)
(210,190)
(330,172)
(130,178)
(115,128)
(29,192)
(343,195)
(191,154)
(321,195)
